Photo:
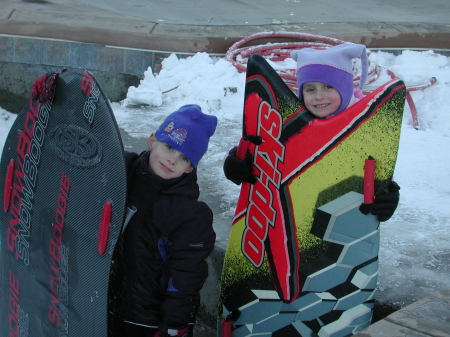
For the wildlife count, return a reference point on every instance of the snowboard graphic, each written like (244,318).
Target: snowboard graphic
(62,193)
(302,260)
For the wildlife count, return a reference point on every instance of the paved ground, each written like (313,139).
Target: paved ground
(429,317)
(212,26)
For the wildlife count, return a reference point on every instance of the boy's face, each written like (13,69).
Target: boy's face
(165,161)
(320,98)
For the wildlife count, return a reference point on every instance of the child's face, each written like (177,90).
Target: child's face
(320,99)
(165,161)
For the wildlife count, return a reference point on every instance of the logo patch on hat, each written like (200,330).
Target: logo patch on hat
(178,135)
(169,127)
(188,130)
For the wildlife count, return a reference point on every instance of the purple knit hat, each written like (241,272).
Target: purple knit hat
(332,66)
(188,130)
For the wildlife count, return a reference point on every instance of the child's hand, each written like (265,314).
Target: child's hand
(238,164)
(238,170)
(385,203)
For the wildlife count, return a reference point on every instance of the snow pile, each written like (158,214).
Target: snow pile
(147,93)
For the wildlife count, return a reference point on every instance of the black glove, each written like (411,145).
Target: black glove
(385,203)
(43,89)
(238,170)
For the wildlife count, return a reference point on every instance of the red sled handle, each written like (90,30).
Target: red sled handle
(103,231)
(7,189)
(242,148)
(369,180)
(227,323)
(227,328)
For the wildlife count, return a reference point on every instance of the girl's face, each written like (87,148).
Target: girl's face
(165,161)
(320,98)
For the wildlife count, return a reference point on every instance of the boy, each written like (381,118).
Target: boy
(161,262)
(325,84)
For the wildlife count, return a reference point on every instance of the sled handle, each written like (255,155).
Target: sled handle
(242,148)
(7,189)
(369,180)
(103,231)
(227,323)
(227,328)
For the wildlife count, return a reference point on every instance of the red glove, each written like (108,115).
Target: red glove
(43,88)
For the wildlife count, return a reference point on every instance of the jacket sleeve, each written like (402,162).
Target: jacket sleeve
(191,243)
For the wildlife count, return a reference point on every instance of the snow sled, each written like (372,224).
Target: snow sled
(302,260)
(63,193)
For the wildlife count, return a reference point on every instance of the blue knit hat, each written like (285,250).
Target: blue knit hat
(332,66)
(188,130)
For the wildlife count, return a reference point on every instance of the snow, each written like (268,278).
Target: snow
(6,121)
(415,250)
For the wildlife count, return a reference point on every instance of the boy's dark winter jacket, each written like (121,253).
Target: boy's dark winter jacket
(164,247)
